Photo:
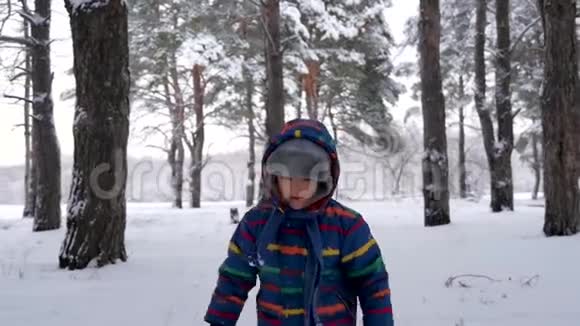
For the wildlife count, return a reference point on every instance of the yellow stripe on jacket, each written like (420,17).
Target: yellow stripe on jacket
(360,251)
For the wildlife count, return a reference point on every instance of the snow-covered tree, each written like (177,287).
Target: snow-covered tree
(527,77)
(457,70)
(270,18)
(45,145)
(179,60)
(457,42)
(209,63)
(239,110)
(339,52)
(18,68)
(503,184)
(154,40)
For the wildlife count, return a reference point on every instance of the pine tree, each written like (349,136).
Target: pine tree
(155,39)
(239,29)
(45,146)
(47,214)
(527,77)
(181,72)
(560,117)
(340,52)
(96,212)
(275,116)
(21,70)
(503,196)
(435,162)
(457,70)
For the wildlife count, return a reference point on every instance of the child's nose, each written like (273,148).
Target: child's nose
(300,187)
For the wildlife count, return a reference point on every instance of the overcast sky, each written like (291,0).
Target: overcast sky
(11,137)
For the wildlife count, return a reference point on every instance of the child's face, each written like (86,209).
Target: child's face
(297,192)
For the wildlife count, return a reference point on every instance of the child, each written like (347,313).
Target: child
(314,256)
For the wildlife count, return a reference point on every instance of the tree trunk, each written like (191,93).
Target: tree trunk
(462,169)
(300,92)
(97,206)
(398,177)
(536,166)
(560,119)
(45,143)
(30,205)
(176,155)
(333,124)
(480,93)
(274,69)
(198,137)
(251,185)
(435,163)
(30,168)
(503,185)
(334,127)
(310,84)
(177,170)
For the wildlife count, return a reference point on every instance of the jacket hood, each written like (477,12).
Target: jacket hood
(310,130)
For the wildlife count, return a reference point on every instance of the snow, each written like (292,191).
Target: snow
(89,5)
(528,280)
(86,4)
(313,6)
(40,98)
(33,18)
(81,116)
(293,15)
(202,50)
(434,156)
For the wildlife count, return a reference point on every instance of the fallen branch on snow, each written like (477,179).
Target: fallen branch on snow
(531,280)
(449,282)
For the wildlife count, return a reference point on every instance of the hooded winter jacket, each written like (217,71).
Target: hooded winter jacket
(313,264)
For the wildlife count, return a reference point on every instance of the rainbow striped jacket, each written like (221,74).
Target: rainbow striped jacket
(313,264)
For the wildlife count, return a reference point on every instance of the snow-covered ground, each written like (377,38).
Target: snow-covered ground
(174,256)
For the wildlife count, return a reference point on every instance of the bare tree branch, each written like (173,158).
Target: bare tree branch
(19,98)
(490,9)
(22,74)
(256,3)
(17,40)
(8,15)
(188,143)
(9,46)
(165,150)
(267,32)
(523,33)
(25,7)
(32,18)
(516,113)
(150,130)
(453,124)
(287,42)
(158,129)
(24,70)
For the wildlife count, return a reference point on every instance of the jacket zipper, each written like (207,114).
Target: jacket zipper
(346,305)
